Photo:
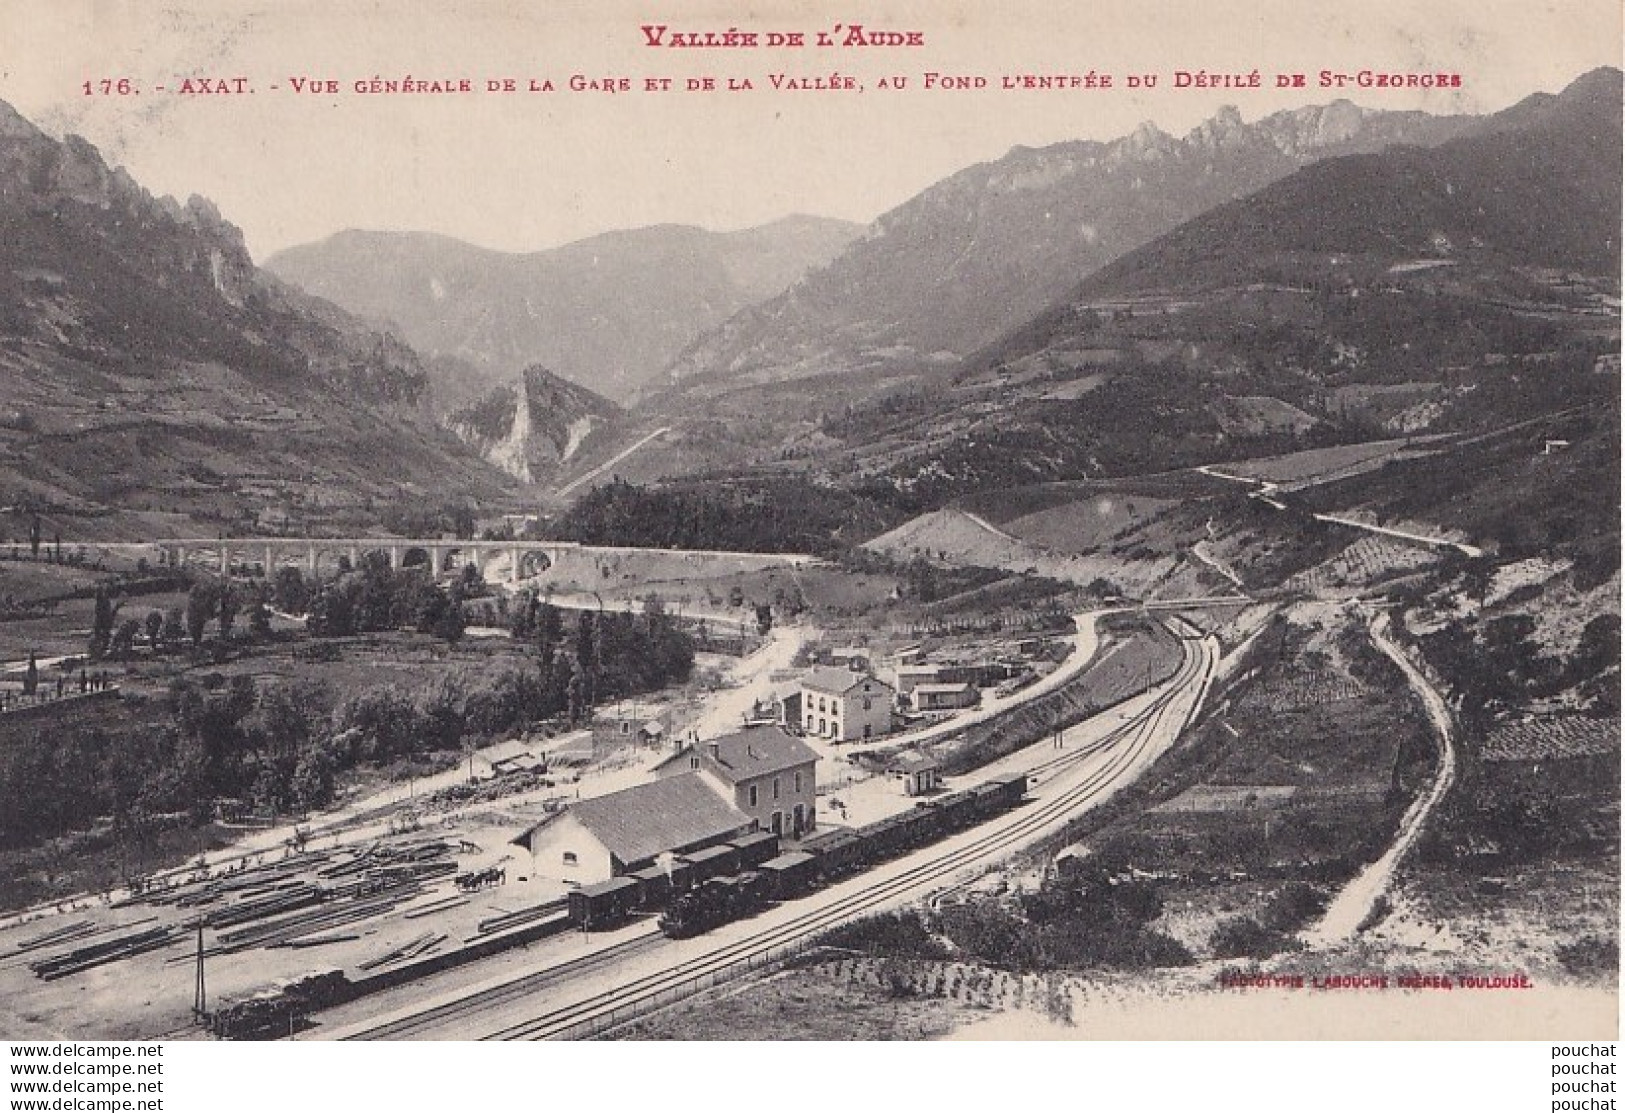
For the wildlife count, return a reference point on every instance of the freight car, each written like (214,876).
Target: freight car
(791,874)
(755,848)
(713,861)
(605,904)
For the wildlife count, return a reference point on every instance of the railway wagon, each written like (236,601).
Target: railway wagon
(957,809)
(713,861)
(659,886)
(604,905)
(838,851)
(755,848)
(1005,792)
(791,874)
(886,838)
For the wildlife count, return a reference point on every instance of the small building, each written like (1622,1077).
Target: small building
(854,657)
(763,771)
(845,706)
(512,756)
(917,772)
(909,677)
(945,697)
(620,832)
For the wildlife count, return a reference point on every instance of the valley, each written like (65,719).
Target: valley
(1124,571)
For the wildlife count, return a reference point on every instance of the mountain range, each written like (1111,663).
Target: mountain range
(984,250)
(1085,310)
(609,312)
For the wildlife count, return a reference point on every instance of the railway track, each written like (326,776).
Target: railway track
(406,1027)
(609,1007)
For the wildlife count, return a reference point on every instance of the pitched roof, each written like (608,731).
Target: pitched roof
(839,681)
(645,820)
(751,752)
(911,761)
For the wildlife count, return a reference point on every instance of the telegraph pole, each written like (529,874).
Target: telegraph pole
(200,998)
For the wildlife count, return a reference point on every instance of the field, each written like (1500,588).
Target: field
(1294,781)
(1365,563)
(1087,524)
(1551,737)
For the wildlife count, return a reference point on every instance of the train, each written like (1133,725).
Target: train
(280,1011)
(692,893)
(707,888)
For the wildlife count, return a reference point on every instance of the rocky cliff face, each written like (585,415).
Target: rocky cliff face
(140,327)
(531,428)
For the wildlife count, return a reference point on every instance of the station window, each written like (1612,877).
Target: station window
(569,857)
(775,788)
(798,782)
(753,796)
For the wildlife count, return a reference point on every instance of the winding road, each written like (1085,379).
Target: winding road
(1355,903)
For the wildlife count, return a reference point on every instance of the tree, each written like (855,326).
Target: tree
(174,627)
(31,676)
(259,619)
(289,590)
(155,629)
(102,623)
(450,624)
(313,779)
(227,610)
(34,537)
(202,604)
(123,643)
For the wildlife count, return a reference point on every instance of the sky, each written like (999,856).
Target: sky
(524,171)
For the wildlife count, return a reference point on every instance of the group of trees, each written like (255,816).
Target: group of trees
(599,655)
(284,747)
(209,601)
(788,515)
(1498,666)
(376,597)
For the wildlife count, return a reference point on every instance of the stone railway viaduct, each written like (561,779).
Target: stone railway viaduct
(519,559)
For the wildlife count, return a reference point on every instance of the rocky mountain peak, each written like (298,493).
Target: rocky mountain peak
(14,126)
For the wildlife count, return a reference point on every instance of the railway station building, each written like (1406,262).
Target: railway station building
(606,836)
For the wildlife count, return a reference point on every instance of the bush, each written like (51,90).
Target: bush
(900,934)
(1245,937)
(1591,958)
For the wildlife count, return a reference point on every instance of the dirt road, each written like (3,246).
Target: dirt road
(1350,908)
